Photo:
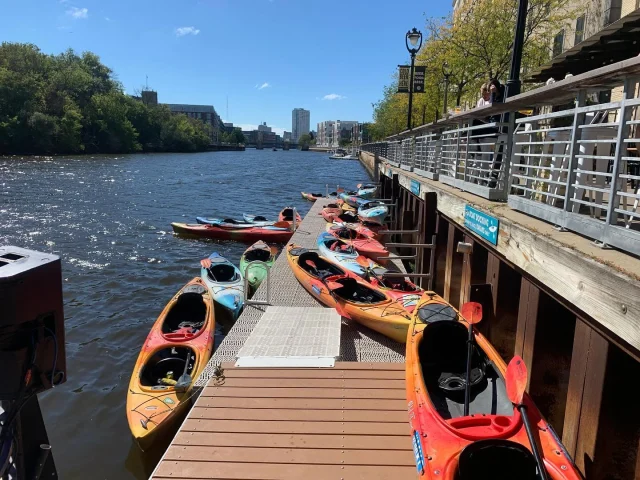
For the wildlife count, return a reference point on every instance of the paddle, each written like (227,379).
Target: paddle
(185,379)
(516,380)
(472,313)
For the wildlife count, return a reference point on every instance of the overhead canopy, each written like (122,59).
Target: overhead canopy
(615,42)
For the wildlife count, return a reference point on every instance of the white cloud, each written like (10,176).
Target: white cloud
(64,1)
(107,19)
(333,96)
(182,31)
(78,13)
(264,85)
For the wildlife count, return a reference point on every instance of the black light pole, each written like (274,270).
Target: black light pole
(413,37)
(447,74)
(513,84)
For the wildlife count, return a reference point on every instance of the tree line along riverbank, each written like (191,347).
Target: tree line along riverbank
(70,103)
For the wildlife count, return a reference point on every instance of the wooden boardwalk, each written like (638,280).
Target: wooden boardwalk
(346,422)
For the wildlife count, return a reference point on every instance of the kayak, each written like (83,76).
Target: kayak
(364,245)
(256,272)
(232,222)
(493,435)
(225,282)
(352,200)
(373,212)
(345,206)
(286,215)
(311,196)
(369,230)
(172,357)
(402,291)
(352,297)
(278,233)
(256,219)
(340,252)
(367,190)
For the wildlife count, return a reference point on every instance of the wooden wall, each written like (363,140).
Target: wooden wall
(581,381)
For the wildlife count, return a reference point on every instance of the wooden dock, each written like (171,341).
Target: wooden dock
(345,422)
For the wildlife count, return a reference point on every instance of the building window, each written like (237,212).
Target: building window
(558,43)
(579,30)
(612,13)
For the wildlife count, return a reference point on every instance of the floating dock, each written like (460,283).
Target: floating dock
(344,422)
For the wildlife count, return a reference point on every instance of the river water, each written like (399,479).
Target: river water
(109,217)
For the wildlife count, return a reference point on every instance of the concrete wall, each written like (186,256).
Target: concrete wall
(367,160)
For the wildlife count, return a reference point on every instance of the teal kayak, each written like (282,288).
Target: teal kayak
(257,272)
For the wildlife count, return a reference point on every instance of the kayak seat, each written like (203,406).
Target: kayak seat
(443,357)
(190,310)
(259,218)
(233,221)
(338,246)
(171,359)
(496,460)
(222,272)
(322,268)
(356,292)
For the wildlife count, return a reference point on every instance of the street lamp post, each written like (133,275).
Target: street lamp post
(513,84)
(413,37)
(447,74)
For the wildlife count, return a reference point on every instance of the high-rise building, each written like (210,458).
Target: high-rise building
(286,136)
(300,123)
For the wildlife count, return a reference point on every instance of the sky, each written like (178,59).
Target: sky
(265,57)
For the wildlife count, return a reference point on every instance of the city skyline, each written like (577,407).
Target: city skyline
(190,51)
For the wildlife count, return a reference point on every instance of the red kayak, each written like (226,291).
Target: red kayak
(367,246)
(279,232)
(286,215)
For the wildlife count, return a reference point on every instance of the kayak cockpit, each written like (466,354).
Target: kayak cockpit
(222,273)
(187,315)
(496,459)
(169,367)
(287,214)
(316,266)
(443,358)
(258,255)
(356,292)
(346,233)
(339,246)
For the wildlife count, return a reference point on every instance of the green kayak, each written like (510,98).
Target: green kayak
(256,273)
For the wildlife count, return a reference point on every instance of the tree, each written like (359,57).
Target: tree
(475,45)
(304,140)
(71,103)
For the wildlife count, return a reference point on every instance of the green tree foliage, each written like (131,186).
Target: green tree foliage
(71,103)
(304,140)
(472,46)
(234,137)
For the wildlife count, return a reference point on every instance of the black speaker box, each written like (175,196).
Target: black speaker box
(32,353)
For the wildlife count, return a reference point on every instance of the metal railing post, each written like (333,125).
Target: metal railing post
(574,151)
(247,301)
(621,149)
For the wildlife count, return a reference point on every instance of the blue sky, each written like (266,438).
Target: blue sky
(332,57)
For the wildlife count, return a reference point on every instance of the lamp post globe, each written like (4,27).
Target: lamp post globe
(413,41)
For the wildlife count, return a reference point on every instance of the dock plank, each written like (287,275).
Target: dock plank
(298,415)
(304,392)
(304,404)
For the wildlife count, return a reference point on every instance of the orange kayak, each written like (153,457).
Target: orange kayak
(174,354)
(364,244)
(352,297)
(286,215)
(490,442)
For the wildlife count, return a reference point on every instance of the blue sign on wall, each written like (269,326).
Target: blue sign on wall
(484,225)
(389,174)
(415,187)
